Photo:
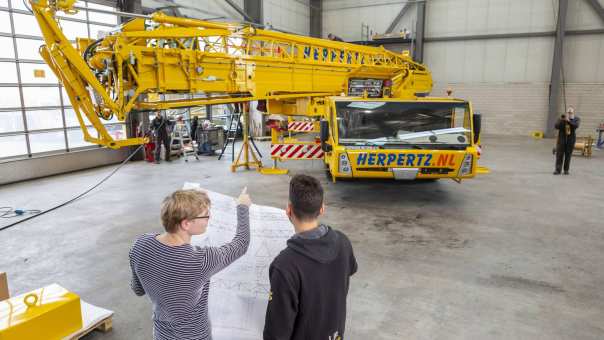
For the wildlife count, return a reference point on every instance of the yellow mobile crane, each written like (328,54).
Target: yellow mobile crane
(369,105)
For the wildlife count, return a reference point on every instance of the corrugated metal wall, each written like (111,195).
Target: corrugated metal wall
(345,17)
(288,15)
(507,79)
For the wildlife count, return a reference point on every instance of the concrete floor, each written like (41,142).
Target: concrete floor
(517,254)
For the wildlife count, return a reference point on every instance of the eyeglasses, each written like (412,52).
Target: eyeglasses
(196,217)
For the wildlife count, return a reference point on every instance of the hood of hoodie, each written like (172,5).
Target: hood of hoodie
(324,249)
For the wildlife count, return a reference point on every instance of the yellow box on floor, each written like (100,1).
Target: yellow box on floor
(51,312)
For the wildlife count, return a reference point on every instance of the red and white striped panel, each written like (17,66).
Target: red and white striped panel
(296,151)
(301,126)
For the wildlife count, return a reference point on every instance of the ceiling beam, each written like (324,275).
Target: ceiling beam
(239,10)
(556,76)
(398,17)
(597,6)
(418,50)
(316,18)
(254,11)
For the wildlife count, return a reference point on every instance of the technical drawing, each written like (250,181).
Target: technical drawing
(239,293)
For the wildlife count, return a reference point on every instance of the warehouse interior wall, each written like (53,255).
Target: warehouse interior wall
(506,79)
(210,9)
(345,18)
(284,15)
(42,166)
(288,15)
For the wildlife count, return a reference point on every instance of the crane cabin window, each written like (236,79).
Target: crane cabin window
(413,124)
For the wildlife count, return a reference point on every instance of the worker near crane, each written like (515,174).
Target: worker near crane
(566,126)
(334,37)
(160,125)
(194,126)
(309,279)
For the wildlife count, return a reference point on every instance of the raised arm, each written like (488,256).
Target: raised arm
(218,258)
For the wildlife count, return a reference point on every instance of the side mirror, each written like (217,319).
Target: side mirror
(477,122)
(325,136)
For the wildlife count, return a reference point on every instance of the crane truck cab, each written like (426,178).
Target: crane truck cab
(421,138)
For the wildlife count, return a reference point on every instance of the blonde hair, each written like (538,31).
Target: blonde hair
(182,205)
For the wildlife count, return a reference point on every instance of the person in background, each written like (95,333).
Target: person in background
(194,125)
(160,125)
(174,274)
(334,37)
(309,279)
(566,126)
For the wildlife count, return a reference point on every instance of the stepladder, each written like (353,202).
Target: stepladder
(182,143)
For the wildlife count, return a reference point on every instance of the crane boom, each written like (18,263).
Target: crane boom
(218,62)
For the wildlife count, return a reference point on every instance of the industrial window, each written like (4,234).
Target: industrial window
(4,22)
(44,119)
(7,49)
(8,72)
(11,121)
(10,97)
(36,116)
(28,49)
(12,145)
(37,74)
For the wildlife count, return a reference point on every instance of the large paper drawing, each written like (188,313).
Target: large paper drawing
(239,294)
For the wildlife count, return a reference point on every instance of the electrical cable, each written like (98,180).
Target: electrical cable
(78,196)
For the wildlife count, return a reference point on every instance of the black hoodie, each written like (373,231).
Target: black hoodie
(309,284)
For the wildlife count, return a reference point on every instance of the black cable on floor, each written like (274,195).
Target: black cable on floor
(78,196)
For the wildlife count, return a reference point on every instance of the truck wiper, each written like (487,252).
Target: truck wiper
(383,141)
(369,142)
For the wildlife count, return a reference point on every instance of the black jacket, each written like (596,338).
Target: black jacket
(194,125)
(160,126)
(564,138)
(309,284)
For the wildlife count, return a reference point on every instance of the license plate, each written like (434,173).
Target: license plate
(405,173)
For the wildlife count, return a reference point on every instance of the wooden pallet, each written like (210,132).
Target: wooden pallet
(104,326)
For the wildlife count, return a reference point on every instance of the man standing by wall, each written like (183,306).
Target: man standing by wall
(310,278)
(566,125)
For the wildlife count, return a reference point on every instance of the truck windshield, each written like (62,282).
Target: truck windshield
(431,124)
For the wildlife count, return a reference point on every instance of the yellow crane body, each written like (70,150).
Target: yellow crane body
(299,77)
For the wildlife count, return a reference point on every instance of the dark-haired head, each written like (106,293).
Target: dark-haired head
(305,197)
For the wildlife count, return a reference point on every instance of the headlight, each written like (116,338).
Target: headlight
(466,166)
(344,164)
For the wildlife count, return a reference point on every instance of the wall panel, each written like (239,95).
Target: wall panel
(288,15)
(582,16)
(583,59)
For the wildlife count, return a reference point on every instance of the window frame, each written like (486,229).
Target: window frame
(63,103)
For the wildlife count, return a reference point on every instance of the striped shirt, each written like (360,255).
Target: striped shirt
(177,279)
